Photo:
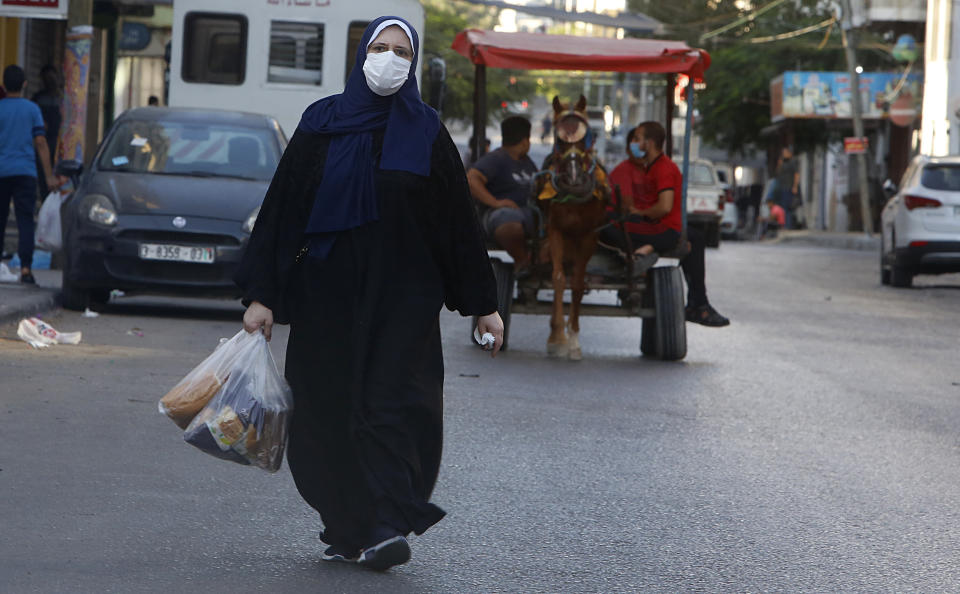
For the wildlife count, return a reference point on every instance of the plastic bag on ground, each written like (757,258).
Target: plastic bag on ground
(247,419)
(39,334)
(48,223)
(195,390)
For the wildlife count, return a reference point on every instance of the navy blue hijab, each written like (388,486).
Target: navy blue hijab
(347,195)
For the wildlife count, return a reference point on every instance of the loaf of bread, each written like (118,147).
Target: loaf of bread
(188,398)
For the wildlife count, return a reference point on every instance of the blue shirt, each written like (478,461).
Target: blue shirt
(20,123)
(507,178)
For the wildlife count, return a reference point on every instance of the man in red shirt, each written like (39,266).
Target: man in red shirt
(651,184)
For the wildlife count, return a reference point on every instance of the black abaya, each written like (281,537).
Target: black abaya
(364,358)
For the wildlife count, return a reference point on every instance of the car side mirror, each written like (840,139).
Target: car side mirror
(69,168)
(889,188)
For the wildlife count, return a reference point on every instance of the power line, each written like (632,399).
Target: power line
(742,20)
(797,33)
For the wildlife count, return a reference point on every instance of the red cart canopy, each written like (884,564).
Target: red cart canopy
(538,51)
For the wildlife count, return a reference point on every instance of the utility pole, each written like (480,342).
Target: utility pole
(856,107)
(76,74)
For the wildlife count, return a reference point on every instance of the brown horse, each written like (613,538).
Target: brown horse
(573,187)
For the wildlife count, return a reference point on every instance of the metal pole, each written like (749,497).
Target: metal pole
(857,108)
(668,125)
(479,111)
(685,168)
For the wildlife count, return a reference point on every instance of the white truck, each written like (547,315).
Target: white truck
(706,198)
(273,57)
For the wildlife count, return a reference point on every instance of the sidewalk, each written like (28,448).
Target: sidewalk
(830,239)
(19,301)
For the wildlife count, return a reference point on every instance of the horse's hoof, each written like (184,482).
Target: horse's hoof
(575,354)
(556,350)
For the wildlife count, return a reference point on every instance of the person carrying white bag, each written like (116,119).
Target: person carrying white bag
(49,236)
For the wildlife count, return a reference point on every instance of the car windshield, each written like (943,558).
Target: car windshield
(191,148)
(941,177)
(701,175)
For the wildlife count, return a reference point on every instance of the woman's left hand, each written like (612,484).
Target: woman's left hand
(494,325)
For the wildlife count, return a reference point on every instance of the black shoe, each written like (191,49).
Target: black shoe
(341,553)
(27,279)
(706,316)
(386,554)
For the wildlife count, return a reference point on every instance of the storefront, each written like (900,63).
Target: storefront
(801,100)
(32,35)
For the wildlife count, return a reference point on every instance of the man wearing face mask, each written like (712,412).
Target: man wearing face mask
(651,185)
(366,231)
(501,181)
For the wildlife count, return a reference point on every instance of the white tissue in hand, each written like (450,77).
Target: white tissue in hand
(486,339)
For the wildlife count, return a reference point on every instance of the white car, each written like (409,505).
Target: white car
(730,220)
(920,224)
(706,200)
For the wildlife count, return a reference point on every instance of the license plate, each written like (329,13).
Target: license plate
(176,253)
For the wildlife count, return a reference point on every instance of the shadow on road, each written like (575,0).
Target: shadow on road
(163,307)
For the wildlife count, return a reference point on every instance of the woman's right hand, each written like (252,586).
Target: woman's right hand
(258,317)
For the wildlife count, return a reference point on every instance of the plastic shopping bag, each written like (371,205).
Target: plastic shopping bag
(194,391)
(48,223)
(39,334)
(247,420)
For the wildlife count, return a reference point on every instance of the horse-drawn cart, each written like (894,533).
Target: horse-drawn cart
(657,296)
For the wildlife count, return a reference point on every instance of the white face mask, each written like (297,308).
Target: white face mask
(385,72)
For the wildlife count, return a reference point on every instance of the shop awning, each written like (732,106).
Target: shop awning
(537,51)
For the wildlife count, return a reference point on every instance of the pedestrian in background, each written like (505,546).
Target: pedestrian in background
(22,141)
(48,99)
(467,161)
(787,184)
(366,231)
(546,124)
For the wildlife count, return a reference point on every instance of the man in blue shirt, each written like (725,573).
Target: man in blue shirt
(21,142)
(502,181)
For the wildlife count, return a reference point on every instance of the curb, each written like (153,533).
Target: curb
(43,301)
(844,241)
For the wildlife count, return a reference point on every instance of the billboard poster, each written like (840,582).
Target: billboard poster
(34,9)
(826,95)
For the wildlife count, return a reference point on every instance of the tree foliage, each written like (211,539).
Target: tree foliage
(735,106)
(444,20)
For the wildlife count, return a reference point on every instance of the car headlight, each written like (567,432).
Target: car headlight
(100,210)
(251,220)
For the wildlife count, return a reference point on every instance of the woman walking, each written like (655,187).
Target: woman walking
(367,230)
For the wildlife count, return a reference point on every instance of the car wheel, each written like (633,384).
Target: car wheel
(712,235)
(901,276)
(71,296)
(76,298)
(884,271)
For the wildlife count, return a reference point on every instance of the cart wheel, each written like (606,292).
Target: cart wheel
(503,273)
(648,333)
(669,327)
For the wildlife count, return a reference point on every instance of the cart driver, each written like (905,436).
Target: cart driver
(650,184)
(501,182)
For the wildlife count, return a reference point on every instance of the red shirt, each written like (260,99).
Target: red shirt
(643,187)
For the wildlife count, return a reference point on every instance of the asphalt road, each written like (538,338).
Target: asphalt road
(810,446)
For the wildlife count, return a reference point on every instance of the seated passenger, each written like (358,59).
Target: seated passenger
(501,182)
(651,186)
